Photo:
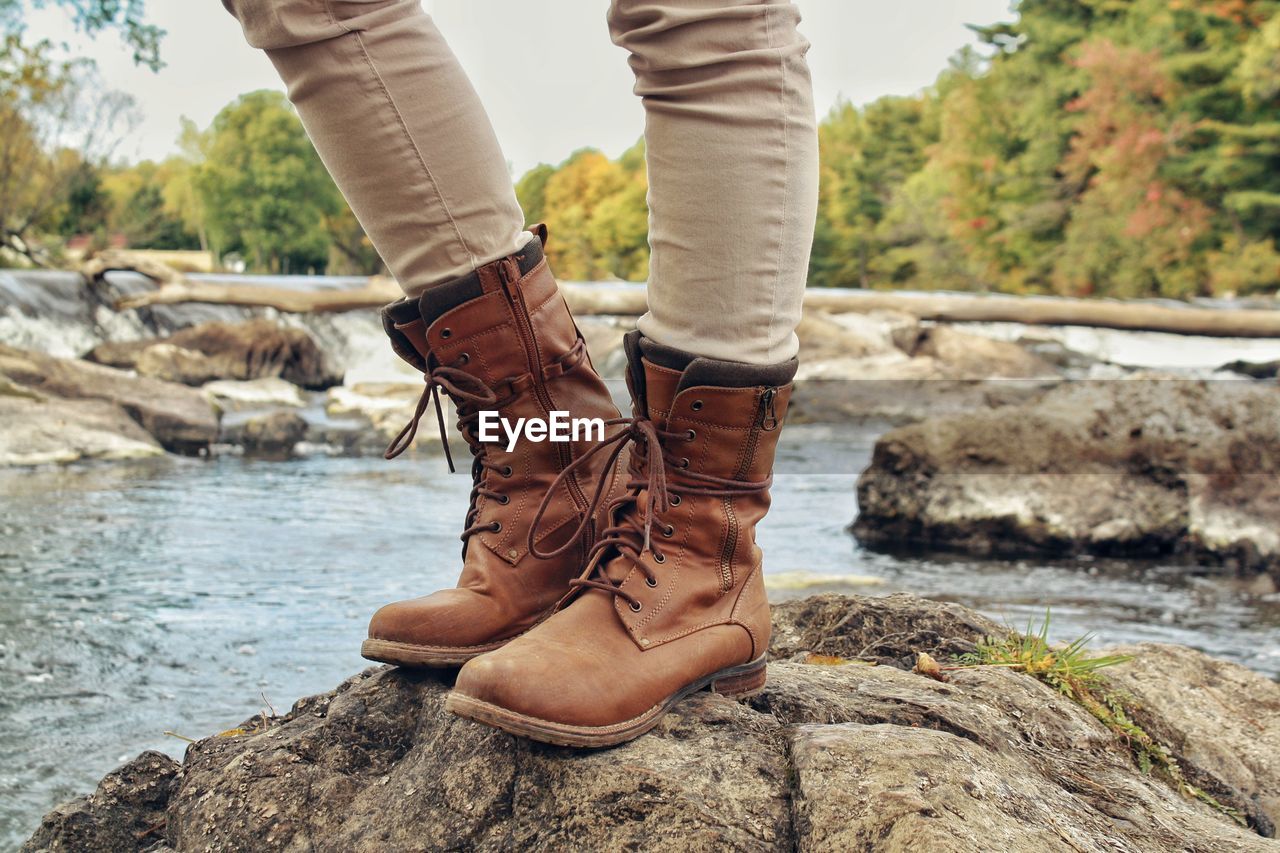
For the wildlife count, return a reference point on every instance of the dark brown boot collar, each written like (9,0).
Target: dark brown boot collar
(439,299)
(700,371)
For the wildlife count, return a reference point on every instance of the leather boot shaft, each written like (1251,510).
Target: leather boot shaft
(500,340)
(719,431)
(515,335)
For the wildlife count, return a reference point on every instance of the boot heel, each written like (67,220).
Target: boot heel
(742,683)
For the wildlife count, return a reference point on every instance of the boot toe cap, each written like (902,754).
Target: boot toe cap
(449,618)
(550,684)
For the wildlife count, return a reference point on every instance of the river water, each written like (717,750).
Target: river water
(185,595)
(175,594)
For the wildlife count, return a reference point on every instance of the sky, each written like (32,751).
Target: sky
(547,73)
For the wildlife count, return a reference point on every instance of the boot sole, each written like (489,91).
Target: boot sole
(432,657)
(734,682)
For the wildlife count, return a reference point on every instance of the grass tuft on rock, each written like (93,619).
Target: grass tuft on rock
(1073,672)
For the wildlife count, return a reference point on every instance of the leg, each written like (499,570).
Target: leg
(405,138)
(732,150)
(672,599)
(399,127)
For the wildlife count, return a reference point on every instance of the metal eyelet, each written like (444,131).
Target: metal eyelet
(446,333)
(692,435)
(465,358)
(651,582)
(636,606)
(669,531)
(675,500)
(659,558)
(504,499)
(683,463)
(697,406)
(496,527)
(507,471)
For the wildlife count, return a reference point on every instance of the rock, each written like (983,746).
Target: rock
(387,407)
(886,367)
(363,418)
(889,630)
(1143,467)
(254,393)
(826,336)
(253,349)
(856,757)
(1254,369)
(126,812)
(603,334)
(896,390)
(43,430)
(962,355)
(1047,347)
(273,435)
(900,330)
(884,345)
(1223,752)
(180,418)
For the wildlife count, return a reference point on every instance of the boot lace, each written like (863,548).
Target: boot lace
(470,396)
(649,493)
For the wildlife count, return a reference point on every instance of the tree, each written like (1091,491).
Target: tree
(866,156)
(531,192)
(1102,147)
(1130,226)
(94,16)
(262,189)
(58,126)
(140,210)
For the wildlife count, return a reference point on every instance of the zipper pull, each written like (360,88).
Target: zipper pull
(508,274)
(768,414)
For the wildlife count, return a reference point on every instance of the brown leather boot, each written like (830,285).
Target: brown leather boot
(500,339)
(672,599)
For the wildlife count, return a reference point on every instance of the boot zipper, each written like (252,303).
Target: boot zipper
(524,325)
(767,421)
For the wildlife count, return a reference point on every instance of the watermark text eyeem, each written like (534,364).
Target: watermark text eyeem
(557,426)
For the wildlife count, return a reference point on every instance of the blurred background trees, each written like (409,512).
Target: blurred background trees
(1126,149)
(1093,147)
(1101,148)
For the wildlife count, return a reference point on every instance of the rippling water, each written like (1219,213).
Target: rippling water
(175,594)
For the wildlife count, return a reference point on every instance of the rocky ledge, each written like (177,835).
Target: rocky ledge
(254,349)
(62,409)
(831,755)
(1144,466)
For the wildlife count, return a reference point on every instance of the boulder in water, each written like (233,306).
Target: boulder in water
(39,430)
(250,350)
(827,756)
(270,392)
(1146,466)
(273,435)
(180,418)
(885,366)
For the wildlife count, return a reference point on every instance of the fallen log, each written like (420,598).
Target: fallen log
(587,299)
(1058,311)
(961,308)
(174,288)
(377,292)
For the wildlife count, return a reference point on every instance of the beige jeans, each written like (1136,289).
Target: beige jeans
(730,137)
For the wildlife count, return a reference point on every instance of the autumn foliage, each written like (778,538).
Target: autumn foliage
(1097,147)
